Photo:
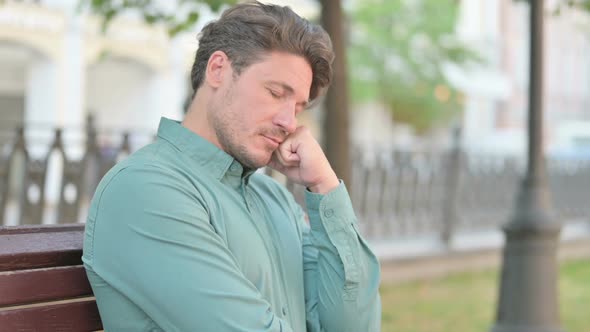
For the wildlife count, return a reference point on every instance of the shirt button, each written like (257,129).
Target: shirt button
(328,213)
(284,311)
(234,168)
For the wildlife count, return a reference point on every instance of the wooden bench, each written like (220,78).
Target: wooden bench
(43,286)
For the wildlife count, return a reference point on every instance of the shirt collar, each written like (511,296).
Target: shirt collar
(216,161)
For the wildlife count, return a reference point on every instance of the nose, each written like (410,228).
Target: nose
(286,119)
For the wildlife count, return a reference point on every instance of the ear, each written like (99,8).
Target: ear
(217,66)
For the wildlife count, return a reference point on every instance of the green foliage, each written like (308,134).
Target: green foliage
(397,52)
(581,4)
(560,5)
(152,13)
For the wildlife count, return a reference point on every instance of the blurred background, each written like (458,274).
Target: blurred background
(426,122)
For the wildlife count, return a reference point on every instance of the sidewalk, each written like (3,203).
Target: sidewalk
(426,258)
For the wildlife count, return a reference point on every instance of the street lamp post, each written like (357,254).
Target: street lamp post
(528,291)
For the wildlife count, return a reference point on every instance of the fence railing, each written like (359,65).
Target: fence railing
(41,181)
(411,193)
(395,193)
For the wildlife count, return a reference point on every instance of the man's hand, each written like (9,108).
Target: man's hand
(301,159)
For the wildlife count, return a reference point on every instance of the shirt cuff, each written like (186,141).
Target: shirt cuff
(332,219)
(334,209)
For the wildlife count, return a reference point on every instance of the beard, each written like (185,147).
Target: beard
(237,148)
(232,133)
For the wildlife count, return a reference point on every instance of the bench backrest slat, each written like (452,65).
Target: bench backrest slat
(43,285)
(78,316)
(40,247)
(50,284)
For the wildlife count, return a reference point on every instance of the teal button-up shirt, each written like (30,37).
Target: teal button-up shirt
(180,237)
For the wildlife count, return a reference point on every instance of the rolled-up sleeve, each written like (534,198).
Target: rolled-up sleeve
(341,272)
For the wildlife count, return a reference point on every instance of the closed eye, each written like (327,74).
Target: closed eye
(274,94)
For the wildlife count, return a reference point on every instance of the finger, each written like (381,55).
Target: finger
(289,149)
(278,157)
(277,164)
(292,157)
(286,157)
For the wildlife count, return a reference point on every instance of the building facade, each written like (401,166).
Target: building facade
(496,94)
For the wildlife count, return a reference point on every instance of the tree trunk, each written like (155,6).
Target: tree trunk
(336,135)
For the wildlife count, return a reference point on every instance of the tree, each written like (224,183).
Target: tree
(398,51)
(336,125)
(176,16)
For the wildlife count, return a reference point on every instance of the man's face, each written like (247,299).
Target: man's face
(253,113)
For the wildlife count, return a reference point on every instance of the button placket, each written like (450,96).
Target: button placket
(256,207)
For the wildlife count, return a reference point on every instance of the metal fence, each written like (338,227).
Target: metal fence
(411,193)
(49,176)
(395,193)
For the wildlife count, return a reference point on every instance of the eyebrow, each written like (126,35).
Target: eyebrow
(290,91)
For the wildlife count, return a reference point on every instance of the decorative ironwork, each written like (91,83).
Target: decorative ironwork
(24,179)
(396,193)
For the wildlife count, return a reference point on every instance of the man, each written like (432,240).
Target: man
(184,236)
